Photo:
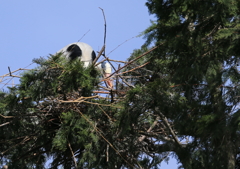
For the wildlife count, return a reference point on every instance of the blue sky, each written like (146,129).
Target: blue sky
(30,29)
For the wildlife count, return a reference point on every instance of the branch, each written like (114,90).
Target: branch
(75,162)
(134,68)
(9,71)
(4,124)
(101,135)
(170,129)
(152,126)
(7,117)
(23,141)
(98,56)
(135,59)
(105,28)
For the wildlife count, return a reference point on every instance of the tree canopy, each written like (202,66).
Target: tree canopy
(177,96)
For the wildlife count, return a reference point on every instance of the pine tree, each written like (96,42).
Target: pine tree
(53,114)
(178,99)
(194,85)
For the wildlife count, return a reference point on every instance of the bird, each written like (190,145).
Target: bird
(5,167)
(86,54)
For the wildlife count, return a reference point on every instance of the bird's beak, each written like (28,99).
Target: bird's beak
(109,81)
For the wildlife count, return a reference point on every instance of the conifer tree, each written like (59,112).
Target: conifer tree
(194,85)
(53,115)
(179,99)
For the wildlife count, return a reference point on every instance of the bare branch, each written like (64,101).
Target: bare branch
(170,129)
(105,28)
(4,124)
(149,130)
(74,159)
(98,56)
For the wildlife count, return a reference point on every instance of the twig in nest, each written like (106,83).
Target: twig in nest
(140,139)
(98,131)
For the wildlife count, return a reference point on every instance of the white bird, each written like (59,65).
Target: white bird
(86,54)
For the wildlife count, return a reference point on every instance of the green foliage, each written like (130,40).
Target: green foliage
(183,98)
(191,80)
(57,76)
(39,125)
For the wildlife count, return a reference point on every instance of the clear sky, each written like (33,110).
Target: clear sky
(30,29)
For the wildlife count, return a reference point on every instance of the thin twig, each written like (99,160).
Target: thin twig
(134,68)
(4,124)
(140,139)
(106,114)
(98,56)
(7,117)
(100,133)
(136,59)
(74,159)
(117,61)
(105,28)
(23,141)
(107,153)
(9,71)
(170,129)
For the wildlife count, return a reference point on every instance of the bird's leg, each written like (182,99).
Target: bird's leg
(109,81)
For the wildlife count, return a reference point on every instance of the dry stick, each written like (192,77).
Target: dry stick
(151,127)
(105,32)
(105,28)
(128,77)
(134,68)
(4,124)
(13,139)
(117,61)
(13,75)
(115,72)
(80,101)
(107,153)
(103,92)
(74,159)
(117,80)
(9,71)
(135,60)
(98,56)
(105,88)
(106,114)
(170,129)
(99,132)
(23,141)
(104,42)
(7,117)
(10,74)
(101,62)
(90,97)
